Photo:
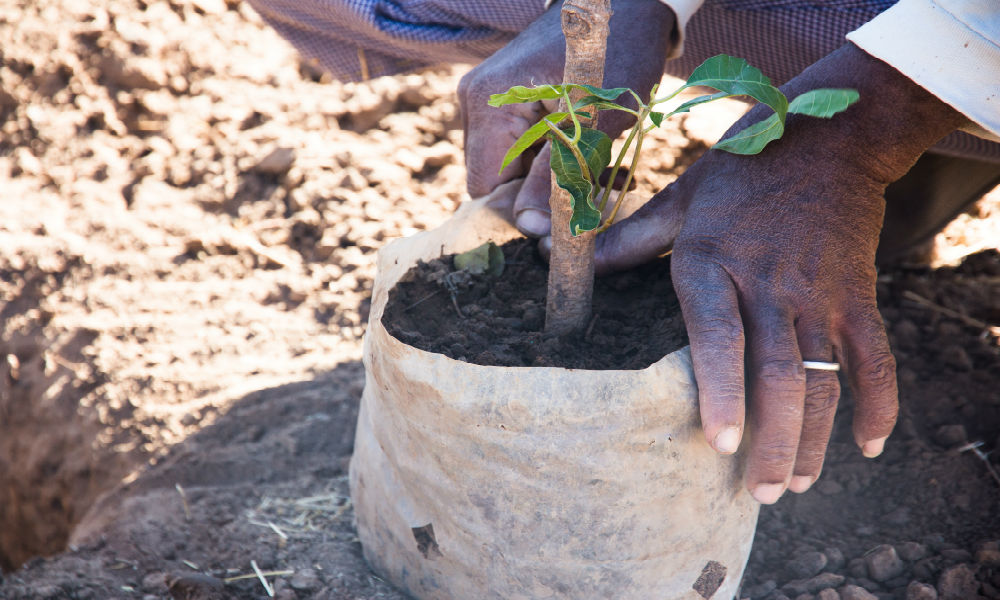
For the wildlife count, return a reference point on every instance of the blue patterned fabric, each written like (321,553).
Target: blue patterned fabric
(360,39)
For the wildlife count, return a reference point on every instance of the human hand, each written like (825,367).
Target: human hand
(638,44)
(774,263)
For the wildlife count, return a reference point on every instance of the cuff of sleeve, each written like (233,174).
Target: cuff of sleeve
(944,53)
(683,10)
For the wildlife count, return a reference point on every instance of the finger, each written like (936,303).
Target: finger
(486,143)
(532,214)
(871,370)
(777,382)
(711,311)
(822,394)
(648,233)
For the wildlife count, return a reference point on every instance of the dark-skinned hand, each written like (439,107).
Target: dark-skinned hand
(774,263)
(638,44)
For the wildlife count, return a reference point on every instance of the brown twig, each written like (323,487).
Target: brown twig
(427,297)
(983,456)
(948,312)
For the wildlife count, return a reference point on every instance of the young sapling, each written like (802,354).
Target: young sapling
(581,154)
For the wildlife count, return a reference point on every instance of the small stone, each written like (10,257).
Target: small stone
(154,582)
(920,591)
(828,594)
(911,551)
(805,597)
(883,563)
(824,581)
(957,583)
(957,555)
(857,568)
(834,558)
(806,565)
(988,554)
(927,568)
(853,592)
(795,588)
(196,585)
(868,584)
(761,589)
(305,580)
(277,162)
(440,154)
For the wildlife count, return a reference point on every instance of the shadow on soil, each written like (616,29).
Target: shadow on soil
(266,482)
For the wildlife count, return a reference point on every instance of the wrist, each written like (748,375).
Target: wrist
(892,124)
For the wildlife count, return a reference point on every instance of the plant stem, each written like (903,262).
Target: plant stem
(571,265)
(628,181)
(571,144)
(643,113)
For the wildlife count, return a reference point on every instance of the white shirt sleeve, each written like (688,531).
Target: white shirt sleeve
(951,48)
(683,9)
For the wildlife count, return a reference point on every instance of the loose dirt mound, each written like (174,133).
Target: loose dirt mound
(188,244)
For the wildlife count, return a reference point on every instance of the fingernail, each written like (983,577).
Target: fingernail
(727,440)
(534,222)
(768,493)
(800,483)
(873,448)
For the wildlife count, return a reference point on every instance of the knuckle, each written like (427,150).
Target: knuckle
(719,329)
(877,371)
(782,372)
(698,247)
(467,84)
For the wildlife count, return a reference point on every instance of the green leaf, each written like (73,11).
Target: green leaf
(487,258)
(520,94)
(823,103)
(753,139)
(656,118)
(683,108)
(600,103)
(737,78)
(602,93)
(529,137)
(595,146)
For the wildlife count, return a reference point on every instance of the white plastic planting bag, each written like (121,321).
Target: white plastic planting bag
(473,482)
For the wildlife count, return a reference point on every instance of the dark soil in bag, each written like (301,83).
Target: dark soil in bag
(499,320)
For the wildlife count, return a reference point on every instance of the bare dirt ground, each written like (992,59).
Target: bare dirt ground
(188,228)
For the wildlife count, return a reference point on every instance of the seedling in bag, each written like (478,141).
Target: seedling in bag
(580,154)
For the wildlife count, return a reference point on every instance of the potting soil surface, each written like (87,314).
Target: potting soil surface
(491,320)
(190,220)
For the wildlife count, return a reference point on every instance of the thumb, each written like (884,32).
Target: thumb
(532,215)
(648,233)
